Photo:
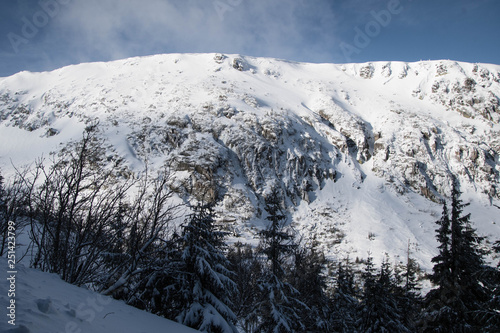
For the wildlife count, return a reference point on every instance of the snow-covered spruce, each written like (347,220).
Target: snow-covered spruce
(204,286)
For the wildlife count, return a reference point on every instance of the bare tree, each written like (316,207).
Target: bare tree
(145,222)
(71,205)
(12,203)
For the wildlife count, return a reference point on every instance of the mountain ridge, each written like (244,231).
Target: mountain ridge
(344,143)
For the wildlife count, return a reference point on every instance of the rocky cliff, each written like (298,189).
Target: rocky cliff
(355,149)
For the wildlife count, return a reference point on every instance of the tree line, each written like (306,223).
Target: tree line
(96,225)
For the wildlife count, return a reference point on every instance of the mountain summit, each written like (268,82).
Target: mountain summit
(361,153)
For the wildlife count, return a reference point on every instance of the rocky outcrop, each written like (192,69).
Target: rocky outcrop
(232,127)
(464,95)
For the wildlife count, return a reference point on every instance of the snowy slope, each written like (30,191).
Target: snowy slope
(46,304)
(361,152)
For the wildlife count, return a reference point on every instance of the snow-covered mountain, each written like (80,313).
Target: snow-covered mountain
(361,152)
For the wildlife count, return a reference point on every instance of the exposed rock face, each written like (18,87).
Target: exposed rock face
(232,127)
(266,146)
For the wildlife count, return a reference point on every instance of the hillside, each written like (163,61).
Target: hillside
(362,153)
(45,304)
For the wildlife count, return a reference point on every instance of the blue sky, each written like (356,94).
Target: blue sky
(38,35)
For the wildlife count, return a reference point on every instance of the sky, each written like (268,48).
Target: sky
(40,35)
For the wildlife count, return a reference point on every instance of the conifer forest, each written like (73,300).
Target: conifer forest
(125,236)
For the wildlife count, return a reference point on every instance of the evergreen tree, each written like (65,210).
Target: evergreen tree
(439,316)
(344,302)
(367,306)
(379,311)
(442,274)
(489,315)
(278,305)
(308,278)
(154,287)
(406,291)
(460,297)
(205,284)
(248,270)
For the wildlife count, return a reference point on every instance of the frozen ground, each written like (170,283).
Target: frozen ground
(46,304)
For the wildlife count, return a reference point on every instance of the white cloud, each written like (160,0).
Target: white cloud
(111,29)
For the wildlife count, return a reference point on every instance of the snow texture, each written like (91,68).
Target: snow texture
(363,153)
(46,304)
